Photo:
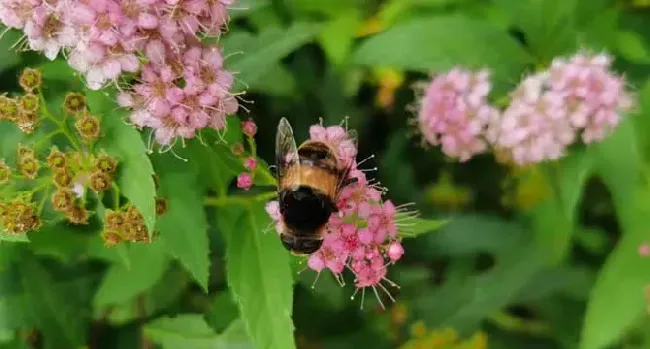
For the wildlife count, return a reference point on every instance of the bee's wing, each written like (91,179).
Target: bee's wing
(286,151)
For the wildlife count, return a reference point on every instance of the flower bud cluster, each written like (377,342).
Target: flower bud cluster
(23,110)
(61,175)
(126,224)
(248,159)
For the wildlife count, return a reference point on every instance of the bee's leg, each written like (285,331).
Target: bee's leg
(333,207)
(274,171)
(349,181)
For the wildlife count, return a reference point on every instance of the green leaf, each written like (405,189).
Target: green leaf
(191,331)
(220,167)
(182,331)
(325,288)
(276,81)
(599,22)
(464,302)
(548,25)
(117,254)
(476,233)
(424,44)
(31,296)
(4,236)
(260,53)
(332,8)
(223,311)
(59,77)
(420,226)
(402,183)
(162,295)
(259,275)
(248,6)
(235,336)
(234,133)
(8,57)
(616,300)
(135,172)
(630,45)
(263,177)
(642,120)
(554,219)
(573,281)
(58,241)
(337,36)
(184,226)
(148,264)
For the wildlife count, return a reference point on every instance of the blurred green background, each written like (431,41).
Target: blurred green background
(524,262)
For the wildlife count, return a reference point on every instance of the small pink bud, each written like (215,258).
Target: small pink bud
(273,209)
(249,127)
(644,249)
(250,163)
(244,181)
(395,251)
(316,263)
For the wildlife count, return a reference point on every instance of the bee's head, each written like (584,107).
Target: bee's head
(301,245)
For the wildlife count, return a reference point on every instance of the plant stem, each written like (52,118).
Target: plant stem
(239,199)
(259,171)
(513,323)
(46,138)
(45,182)
(62,124)
(43,200)
(116,196)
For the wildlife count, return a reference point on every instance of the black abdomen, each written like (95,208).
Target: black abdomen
(304,209)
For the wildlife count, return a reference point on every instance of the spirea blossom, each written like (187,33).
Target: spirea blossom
(454,112)
(182,85)
(594,96)
(362,236)
(576,98)
(535,126)
(550,109)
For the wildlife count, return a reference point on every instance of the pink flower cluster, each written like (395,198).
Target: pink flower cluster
(578,96)
(182,85)
(594,97)
(534,127)
(454,112)
(362,237)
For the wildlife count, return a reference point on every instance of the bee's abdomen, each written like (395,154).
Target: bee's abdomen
(304,209)
(310,176)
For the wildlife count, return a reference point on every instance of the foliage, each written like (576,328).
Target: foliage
(107,241)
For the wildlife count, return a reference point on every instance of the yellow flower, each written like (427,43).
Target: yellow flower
(446,194)
(389,80)
(445,338)
(371,25)
(525,188)
(478,341)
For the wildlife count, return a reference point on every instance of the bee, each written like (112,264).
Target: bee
(309,181)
